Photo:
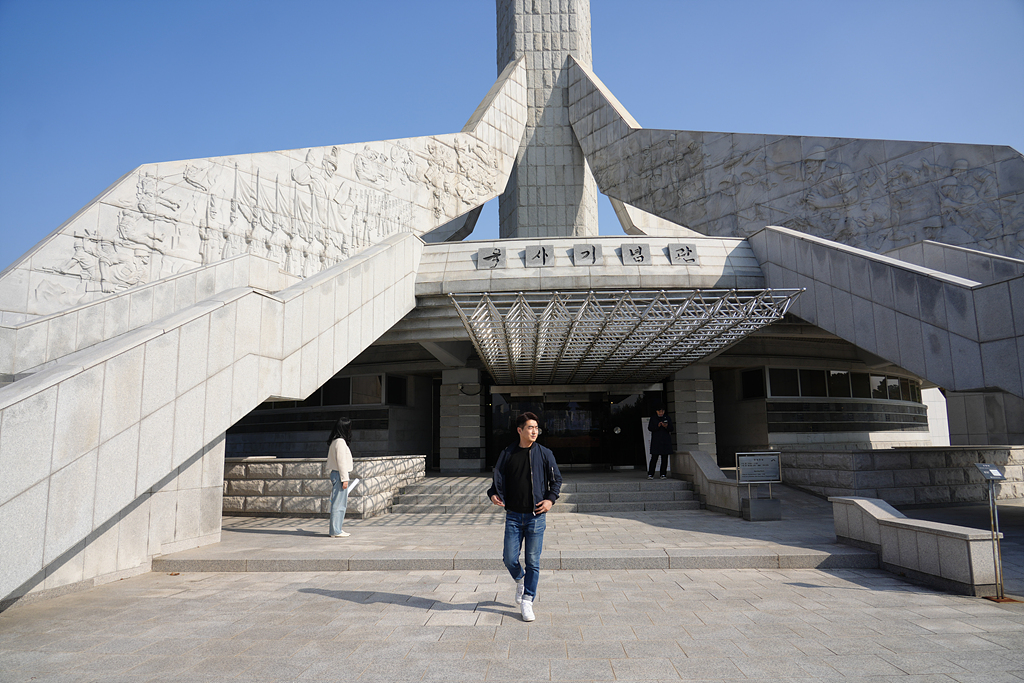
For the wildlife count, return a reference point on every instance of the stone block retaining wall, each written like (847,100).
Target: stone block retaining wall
(906,476)
(270,487)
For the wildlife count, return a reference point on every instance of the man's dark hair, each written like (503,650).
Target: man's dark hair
(524,418)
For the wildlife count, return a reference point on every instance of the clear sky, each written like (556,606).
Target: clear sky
(91,89)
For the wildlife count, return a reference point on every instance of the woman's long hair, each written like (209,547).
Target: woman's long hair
(342,430)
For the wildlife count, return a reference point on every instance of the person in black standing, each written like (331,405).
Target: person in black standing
(526,483)
(660,427)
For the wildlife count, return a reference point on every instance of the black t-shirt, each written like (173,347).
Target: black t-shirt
(518,486)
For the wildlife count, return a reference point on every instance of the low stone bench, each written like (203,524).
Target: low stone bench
(277,487)
(953,558)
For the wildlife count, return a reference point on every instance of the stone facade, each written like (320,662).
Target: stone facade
(304,209)
(905,476)
(551,191)
(270,487)
(872,194)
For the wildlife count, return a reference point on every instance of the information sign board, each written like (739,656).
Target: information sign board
(990,472)
(758,468)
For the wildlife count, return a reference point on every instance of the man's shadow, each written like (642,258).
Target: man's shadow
(371,597)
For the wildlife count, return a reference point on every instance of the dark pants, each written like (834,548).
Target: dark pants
(654,460)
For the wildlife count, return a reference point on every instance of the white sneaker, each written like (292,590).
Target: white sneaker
(352,485)
(340,534)
(520,589)
(526,609)
(650,476)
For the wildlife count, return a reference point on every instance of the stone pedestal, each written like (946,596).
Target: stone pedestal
(762,509)
(691,403)
(462,422)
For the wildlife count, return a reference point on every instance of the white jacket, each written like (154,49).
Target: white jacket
(339,458)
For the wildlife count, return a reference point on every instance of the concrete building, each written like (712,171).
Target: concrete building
(854,304)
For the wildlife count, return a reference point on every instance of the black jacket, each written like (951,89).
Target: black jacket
(547,480)
(661,437)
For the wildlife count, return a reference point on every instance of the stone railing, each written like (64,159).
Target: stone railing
(953,558)
(719,492)
(906,476)
(270,487)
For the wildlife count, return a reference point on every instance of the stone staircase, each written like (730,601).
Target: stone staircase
(589,493)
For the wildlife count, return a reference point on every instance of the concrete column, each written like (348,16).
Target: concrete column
(985,418)
(551,192)
(462,422)
(691,403)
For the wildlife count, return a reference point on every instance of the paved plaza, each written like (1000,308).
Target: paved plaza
(618,625)
(599,621)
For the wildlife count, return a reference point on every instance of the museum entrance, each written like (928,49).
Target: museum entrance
(586,429)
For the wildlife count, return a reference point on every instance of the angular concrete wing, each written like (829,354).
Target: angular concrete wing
(871,194)
(965,335)
(304,209)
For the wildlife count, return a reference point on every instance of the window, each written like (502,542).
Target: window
(861,385)
(397,391)
(783,382)
(878,387)
(838,384)
(752,383)
(337,391)
(812,383)
(366,389)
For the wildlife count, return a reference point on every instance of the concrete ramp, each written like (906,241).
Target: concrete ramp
(964,335)
(114,453)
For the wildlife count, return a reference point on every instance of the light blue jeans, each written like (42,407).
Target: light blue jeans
(528,528)
(339,503)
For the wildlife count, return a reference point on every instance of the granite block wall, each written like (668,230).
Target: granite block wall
(106,427)
(267,487)
(905,476)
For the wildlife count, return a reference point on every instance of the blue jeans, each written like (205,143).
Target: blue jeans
(520,527)
(339,503)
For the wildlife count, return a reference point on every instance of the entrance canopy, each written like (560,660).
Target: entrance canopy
(554,337)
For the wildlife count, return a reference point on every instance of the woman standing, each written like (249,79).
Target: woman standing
(339,461)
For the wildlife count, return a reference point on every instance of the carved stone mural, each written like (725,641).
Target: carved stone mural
(872,194)
(305,209)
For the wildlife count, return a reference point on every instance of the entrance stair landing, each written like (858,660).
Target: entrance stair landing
(472,540)
(581,492)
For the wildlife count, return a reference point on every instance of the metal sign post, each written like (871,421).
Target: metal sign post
(992,475)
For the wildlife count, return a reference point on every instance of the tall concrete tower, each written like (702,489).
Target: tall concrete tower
(551,192)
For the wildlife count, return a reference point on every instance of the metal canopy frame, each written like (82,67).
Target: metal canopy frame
(552,337)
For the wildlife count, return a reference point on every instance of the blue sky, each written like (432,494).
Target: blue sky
(90,90)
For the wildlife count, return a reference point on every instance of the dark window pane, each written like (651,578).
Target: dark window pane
(336,391)
(893,386)
(878,387)
(312,402)
(839,383)
(783,382)
(861,385)
(753,383)
(366,389)
(397,391)
(915,392)
(812,383)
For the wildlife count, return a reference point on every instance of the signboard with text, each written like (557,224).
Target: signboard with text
(758,468)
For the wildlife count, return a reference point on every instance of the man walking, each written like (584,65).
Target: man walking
(526,483)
